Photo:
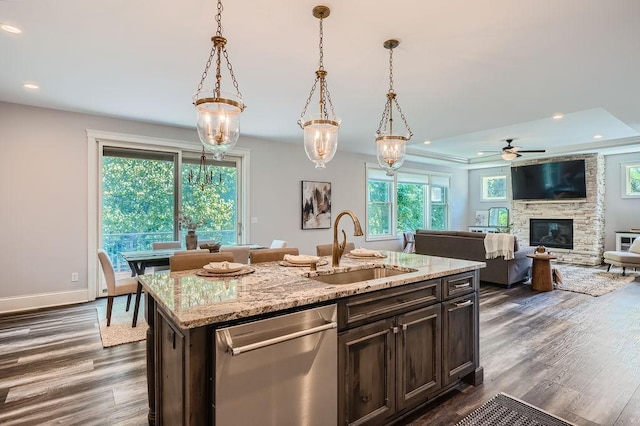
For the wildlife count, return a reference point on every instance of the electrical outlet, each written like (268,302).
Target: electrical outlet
(74,276)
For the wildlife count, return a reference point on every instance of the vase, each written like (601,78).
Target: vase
(191,240)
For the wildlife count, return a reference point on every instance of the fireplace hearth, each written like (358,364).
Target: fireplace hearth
(557,233)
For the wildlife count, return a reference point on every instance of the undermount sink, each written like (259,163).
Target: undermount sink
(350,277)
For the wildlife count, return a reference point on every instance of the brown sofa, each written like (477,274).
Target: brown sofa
(470,246)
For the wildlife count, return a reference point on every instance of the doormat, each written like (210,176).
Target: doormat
(592,280)
(505,410)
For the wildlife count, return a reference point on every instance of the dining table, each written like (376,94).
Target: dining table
(140,260)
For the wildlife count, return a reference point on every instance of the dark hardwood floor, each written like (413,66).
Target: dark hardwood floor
(573,355)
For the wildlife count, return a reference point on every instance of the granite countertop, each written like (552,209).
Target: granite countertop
(193,301)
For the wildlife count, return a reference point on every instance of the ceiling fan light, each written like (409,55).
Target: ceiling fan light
(508,156)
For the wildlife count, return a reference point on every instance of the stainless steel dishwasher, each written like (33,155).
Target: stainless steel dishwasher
(278,371)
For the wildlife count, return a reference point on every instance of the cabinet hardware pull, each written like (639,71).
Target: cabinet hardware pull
(465,303)
(404,327)
(395,330)
(253,346)
(467,284)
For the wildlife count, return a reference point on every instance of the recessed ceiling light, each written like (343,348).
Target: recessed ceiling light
(427,142)
(480,153)
(30,86)
(10,29)
(557,116)
(598,136)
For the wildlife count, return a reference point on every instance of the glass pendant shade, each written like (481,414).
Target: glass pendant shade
(508,156)
(391,152)
(218,121)
(320,139)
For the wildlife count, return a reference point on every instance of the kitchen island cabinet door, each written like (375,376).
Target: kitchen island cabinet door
(366,366)
(459,337)
(419,355)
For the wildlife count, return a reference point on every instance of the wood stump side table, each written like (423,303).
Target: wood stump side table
(541,279)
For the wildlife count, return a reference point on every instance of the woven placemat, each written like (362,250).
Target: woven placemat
(353,256)
(505,410)
(244,271)
(318,263)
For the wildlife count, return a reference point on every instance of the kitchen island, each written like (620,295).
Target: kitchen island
(421,324)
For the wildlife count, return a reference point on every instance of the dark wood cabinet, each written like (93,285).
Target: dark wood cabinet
(419,355)
(366,373)
(460,339)
(426,342)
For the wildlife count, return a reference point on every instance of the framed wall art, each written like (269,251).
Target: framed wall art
(316,205)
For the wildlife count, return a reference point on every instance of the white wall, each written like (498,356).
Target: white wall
(43,187)
(620,214)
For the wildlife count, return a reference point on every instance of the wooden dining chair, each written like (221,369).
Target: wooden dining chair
(240,253)
(327,249)
(196,261)
(165,245)
(115,287)
(161,245)
(271,255)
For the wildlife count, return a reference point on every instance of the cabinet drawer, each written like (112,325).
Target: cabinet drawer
(369,307)
(457,285)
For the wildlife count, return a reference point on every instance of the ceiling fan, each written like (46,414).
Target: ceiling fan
(510,152)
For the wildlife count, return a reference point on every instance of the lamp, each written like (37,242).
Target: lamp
(204,176)
(391,148)
(508,156)
(218,113)
(320,130)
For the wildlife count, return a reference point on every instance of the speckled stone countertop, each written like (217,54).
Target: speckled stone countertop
(194,301)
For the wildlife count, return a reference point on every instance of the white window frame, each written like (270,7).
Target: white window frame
(428,178)
(484,195)
(96,139)
(625,179)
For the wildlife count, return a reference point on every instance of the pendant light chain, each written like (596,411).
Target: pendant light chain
(218,50)
(387,114)
(324,90)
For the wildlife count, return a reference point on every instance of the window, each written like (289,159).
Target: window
(405,202)
(144,189)
(631,180)
(494,188)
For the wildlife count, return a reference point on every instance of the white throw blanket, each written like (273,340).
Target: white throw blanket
(499,245)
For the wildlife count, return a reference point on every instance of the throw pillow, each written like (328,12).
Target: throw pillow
(635,247)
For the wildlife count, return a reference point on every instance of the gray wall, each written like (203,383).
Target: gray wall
(475,192)
(621,214)
(44,192)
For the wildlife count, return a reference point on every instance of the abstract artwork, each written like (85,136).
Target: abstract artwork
(316,205)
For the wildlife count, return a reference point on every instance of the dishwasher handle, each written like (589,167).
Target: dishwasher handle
(253,346)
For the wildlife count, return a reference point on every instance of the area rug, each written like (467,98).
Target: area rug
(120,330)
(591,280)
(505,410)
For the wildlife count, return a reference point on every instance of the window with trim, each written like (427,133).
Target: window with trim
(405,202)
(494,188)
(631,179)
(144,189)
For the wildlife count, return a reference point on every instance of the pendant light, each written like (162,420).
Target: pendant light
(218,113)
(391,148)
(320,129)
(204,177)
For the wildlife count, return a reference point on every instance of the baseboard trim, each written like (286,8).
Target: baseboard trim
(42,300)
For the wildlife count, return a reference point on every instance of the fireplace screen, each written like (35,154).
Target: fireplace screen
(556,233)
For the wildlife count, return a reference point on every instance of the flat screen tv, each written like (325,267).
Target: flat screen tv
(549,181)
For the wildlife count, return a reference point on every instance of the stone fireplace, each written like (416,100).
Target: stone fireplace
(556,233)
(550,218)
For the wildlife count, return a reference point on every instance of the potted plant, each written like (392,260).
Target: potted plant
(191,225)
